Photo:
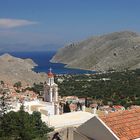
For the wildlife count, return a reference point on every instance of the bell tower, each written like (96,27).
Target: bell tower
(50,77)
(51,92)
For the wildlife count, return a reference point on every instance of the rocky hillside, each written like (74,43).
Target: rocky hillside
(14,69)
(118,51)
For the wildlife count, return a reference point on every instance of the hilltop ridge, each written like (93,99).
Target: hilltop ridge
(114,51)
(13,69)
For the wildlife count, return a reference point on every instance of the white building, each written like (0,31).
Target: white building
(50,105)
(50,89)
(51,93)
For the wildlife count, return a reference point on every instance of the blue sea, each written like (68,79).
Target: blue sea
(42,59)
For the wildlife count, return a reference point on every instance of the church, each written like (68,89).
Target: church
(51,92)
(50,104)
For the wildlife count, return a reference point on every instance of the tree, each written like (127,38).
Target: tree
(66,108)
(38,88)
(86,102)
(2,82)
(4,102)
(18,85)
(22,126)
(120,86)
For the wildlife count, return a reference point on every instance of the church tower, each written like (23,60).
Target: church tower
(51,92)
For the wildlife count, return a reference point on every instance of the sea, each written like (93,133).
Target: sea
(42,59)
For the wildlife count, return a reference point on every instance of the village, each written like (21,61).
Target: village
(69,114)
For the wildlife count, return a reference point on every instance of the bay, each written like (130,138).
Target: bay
(42,59)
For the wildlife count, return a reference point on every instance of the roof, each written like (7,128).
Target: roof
(125,124)
(118,106)
(95,128)
(68,119)
(50,75)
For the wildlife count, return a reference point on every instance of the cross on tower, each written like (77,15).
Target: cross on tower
(50,70)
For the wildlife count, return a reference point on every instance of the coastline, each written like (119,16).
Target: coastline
(43,61)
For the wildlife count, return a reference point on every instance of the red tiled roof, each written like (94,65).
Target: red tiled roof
(118,107)
(50,75)
(125,124)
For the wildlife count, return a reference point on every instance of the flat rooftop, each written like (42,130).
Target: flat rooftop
(67,119)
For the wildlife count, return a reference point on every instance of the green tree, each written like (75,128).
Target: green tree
(122,88)
(38,88)
(22,126)
(2,82)
(66,108)
(4,102)
(18,85)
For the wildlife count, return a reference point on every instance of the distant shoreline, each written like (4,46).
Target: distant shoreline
(42,59)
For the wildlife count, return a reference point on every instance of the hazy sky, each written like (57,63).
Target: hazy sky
(39,22)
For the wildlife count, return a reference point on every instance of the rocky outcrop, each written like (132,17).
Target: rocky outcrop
(14,69)
(114,51)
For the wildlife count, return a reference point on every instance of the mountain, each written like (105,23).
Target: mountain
(114,51)
(14,69)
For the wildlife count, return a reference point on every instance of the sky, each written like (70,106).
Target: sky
(50,24)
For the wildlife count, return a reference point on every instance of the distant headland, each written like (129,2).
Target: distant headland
(114,51)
